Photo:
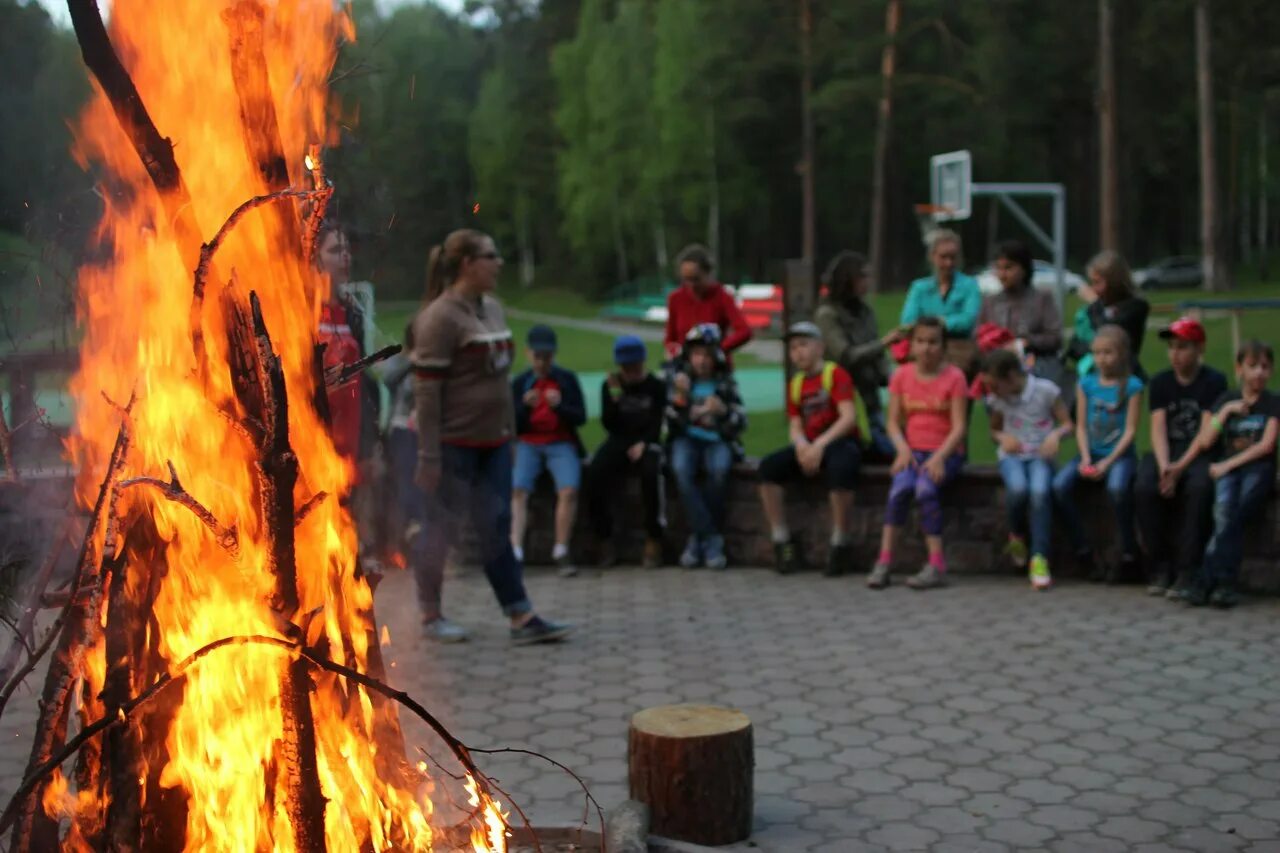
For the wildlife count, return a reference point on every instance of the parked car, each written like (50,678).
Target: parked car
(1178,271)
(1043,275)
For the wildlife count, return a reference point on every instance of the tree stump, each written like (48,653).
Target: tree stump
(692,765)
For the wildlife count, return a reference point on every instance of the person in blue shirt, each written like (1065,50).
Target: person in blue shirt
(950,295)
(1108,407)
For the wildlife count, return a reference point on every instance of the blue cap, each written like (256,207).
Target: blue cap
(628,349)
(541,339)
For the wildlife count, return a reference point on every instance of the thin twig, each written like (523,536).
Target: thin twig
(31,607)
(303,511)
(208,250)
(550,760)
(341,375)
(227,537)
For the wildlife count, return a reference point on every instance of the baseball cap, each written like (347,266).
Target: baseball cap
(541,339)
(629,349)
(804,329)
(992,337)
(1184,329)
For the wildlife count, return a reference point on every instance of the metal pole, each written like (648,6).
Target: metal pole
(1060,243)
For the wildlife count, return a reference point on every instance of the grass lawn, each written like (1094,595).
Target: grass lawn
(589,351)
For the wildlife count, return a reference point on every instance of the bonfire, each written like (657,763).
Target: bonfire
(215,681)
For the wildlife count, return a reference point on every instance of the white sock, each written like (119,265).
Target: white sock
(560,550)
(519,552)
(839,537)
(781,535)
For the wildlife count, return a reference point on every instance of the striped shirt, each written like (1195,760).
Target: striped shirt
(461,359)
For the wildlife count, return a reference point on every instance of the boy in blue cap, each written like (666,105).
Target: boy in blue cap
(633,403)
(549,408)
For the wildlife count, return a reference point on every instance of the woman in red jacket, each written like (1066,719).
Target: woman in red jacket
(701,299)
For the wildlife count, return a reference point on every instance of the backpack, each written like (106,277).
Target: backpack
(828,383)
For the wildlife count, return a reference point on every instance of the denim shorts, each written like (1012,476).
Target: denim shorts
(560,458)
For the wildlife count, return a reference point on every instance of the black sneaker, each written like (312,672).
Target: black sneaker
(539,630)
(1197,595)
(1224,597)
(1178,589)
(1091,567)
(608,557)
(786,557)
(1129,570)
(839,560)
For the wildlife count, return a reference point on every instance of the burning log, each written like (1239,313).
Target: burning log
(258,377)
(245,21)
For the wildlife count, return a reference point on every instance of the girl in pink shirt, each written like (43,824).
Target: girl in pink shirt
(928,401)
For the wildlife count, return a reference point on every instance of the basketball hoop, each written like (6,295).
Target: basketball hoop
(929,215)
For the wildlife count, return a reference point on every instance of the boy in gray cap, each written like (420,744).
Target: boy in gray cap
(823,424)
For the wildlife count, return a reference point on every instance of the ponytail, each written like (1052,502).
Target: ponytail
(435,274)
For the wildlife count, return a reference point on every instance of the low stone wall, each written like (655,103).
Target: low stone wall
(975,531)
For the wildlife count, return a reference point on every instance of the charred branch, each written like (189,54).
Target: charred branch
(154,150)
(227,537)
(312,502)
(35,830)
(342,374)
(258,378)
(245,24)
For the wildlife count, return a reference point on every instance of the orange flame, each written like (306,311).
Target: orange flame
(224,739)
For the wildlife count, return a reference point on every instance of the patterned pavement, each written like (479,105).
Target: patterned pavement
(982,717)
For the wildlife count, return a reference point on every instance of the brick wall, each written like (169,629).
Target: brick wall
(975,530)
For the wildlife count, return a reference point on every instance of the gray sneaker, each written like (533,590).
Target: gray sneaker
(442,630)
(566,567)
(927,578)
(691,557)
(879,576)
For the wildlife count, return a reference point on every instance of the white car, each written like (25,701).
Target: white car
(1043,275)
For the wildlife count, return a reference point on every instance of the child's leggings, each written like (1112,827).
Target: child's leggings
(914,482)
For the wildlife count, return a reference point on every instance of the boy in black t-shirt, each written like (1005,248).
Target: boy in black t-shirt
(1244,426)
(1173,489)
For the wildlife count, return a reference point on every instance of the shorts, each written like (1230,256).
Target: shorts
(560,458)
(840,464)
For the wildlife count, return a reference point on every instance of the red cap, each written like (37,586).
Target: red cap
(1184,329)
(900,351)
(992,337)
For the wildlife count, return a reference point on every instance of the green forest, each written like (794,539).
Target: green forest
(594,138)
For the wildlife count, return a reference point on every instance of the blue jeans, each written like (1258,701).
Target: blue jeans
(475,485)
(1119,488)
(402,447)
(705,503)
(1238,496)
(1028,496)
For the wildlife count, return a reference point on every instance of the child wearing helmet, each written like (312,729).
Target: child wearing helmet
(704,419)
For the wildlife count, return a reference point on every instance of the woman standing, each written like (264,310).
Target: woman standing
(1031,315)
(852,339)
(950,295)
(462,358)
(1114,302)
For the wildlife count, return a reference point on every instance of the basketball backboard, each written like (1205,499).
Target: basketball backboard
(950,185)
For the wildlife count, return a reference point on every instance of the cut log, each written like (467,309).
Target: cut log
(692,765)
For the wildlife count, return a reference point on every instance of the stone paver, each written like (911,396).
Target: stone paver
(980,717)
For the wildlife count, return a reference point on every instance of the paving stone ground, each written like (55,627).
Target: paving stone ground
(982,717)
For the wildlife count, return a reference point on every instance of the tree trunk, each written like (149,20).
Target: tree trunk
(660,242)
(692,765)
(1263,235)
(619,245)
(713,189)
(884,129)
(808,236)
(1108,177)
(1214,266)
(524,241)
